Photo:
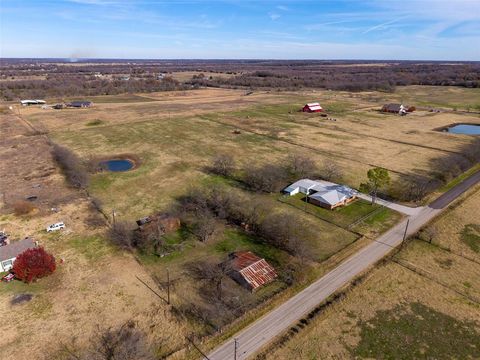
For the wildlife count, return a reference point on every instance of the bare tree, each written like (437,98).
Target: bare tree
(204,226)
(416,188)
(331,171)
(121,235)
(301,166)
(267,178)
(150,238)
(223,164)
(284,231)
(211,273)
(428,234)
(123,343)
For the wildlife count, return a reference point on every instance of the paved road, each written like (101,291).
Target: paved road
(262,331)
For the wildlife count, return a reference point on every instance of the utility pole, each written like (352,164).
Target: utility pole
(168,287)
(235,342)
(306,199)
(113,217)
(405,233)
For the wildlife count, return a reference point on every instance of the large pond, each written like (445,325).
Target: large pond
(468,129)
(117,165)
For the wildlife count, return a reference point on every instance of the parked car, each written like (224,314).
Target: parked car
(9,277)
(56,226)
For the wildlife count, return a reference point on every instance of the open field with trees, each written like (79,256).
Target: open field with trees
(424,302)
(216,159)
(26,78)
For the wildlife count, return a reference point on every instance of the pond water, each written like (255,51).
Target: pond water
(469,129)
(117,165)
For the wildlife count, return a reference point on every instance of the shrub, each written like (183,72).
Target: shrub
(223,164)
(33,264)
(23,207)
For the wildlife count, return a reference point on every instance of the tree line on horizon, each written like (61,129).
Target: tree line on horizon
(38,79)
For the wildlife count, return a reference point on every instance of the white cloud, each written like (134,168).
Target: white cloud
(274,16)
(382,26)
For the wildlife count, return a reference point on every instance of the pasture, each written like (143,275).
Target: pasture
(175,135)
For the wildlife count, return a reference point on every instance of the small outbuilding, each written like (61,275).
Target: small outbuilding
(249,270)
(80,104)
(312,107)
(9,252)
(165,222)
(32,102)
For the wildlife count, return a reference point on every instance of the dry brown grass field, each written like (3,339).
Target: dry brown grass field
(175,135)
(95,287)
(408,307)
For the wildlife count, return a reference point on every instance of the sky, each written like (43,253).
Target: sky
(236,29)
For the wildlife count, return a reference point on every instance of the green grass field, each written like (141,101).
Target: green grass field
(359,216)
(414,331)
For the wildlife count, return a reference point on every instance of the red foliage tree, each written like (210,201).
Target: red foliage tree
(33,264)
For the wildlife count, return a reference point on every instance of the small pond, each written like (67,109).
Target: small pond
(468,129)
(117,165)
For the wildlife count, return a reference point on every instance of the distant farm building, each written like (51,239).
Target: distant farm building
(10,251)
(80,104)
(32,102)
(322,193)
(397,108)
(249,270)
(312,107)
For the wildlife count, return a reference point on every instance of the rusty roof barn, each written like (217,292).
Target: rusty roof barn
(249,270)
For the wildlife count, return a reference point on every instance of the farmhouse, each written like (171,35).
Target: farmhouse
(9,252)
(322,193)
(80,104)
(397,108)
(249,270)
(312,107)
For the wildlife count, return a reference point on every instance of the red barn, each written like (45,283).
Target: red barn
(249,270)
(312,107)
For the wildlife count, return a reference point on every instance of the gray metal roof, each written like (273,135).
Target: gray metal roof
(332,194)
(303,183)
(14,249)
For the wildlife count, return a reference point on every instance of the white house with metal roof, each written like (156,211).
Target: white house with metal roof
(323,193)
(9,252)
